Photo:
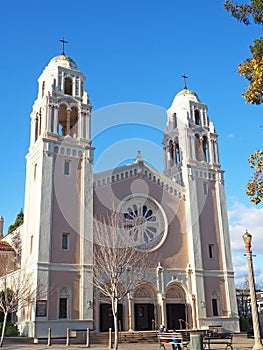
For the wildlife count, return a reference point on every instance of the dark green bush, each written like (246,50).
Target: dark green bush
(11,330)
(245,324)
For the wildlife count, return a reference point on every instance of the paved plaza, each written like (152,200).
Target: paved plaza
(240,342)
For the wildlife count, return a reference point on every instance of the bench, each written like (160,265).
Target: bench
(218,338)
(173,339)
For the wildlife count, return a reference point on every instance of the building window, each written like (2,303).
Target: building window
(35,172)
(63,307)
(65,241)
(197,117)
(36,128)
(63,311)
(31,244)
(215,307)
(205,149)
(211,251)
(77,87)
(66,167)
(174,121)
(43,89)
(171,150)
(205,188)
(59,80)
(177,154)
(68,86)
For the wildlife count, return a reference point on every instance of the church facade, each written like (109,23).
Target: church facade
(179,215)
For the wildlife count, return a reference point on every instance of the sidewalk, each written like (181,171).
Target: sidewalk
(240,342)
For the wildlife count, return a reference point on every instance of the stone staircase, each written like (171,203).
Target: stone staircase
(125,337)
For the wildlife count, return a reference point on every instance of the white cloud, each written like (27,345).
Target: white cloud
(240,267)
(242,218)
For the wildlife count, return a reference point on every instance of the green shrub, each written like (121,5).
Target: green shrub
(245,324)
(11,330)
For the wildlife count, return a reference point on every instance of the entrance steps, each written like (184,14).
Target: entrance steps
(125,337)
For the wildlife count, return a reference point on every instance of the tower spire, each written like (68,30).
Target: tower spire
(63,45)
(185,77)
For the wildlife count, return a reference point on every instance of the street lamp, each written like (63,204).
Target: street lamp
(247,237)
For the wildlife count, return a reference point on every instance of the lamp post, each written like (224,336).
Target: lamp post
(247,237)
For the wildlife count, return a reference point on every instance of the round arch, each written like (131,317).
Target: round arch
(145,291)
(68,119)
(145,300)
(176,307)
(175,291)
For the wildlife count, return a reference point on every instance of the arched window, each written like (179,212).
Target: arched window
(39,124)
(197,147)
(174,121)
(68,121)
(43,88)
(177,154)
(68,86)
(74,122)
(197,117)
(59,80)
(64,303)
(215,303)
(171,150)
(205,149)
(54,84)
(36,128)
(77,87)
(62,120)
(204,118)
(215,151)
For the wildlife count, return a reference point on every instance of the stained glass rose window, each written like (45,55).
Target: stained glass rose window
(142,220)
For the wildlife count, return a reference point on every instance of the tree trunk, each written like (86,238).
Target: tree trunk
(3,329)
(115,317)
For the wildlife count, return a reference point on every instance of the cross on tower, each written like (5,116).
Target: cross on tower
(185,77)
(63,45)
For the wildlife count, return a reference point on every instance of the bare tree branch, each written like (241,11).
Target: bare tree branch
(118,266)
(17,291)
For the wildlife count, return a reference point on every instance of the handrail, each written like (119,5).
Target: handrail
(183,321)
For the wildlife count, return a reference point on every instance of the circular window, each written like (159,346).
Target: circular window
(143,222)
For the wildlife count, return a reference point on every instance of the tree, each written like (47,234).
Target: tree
(118,266)
(18,221)
(16,292)
(243,304)
(255,186)
(17,246)
(251,68)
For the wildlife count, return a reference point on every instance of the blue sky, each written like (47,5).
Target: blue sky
(134,51)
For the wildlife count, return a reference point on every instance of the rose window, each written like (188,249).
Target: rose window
(143,221)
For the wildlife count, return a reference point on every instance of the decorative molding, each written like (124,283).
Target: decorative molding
(136,170)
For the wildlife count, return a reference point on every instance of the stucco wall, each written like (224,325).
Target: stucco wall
(65,215)
(58,279)
(215,286)
(174,251)
(209,226)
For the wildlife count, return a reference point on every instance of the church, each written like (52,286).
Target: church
(181,215)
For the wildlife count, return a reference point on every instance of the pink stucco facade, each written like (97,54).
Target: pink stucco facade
(179,216)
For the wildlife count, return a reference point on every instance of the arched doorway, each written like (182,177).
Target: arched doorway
(106,317)
(176,311)
(104,310)
(144,308)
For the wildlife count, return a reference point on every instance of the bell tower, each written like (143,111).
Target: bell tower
(191,159)
(59,201)
(190,136)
